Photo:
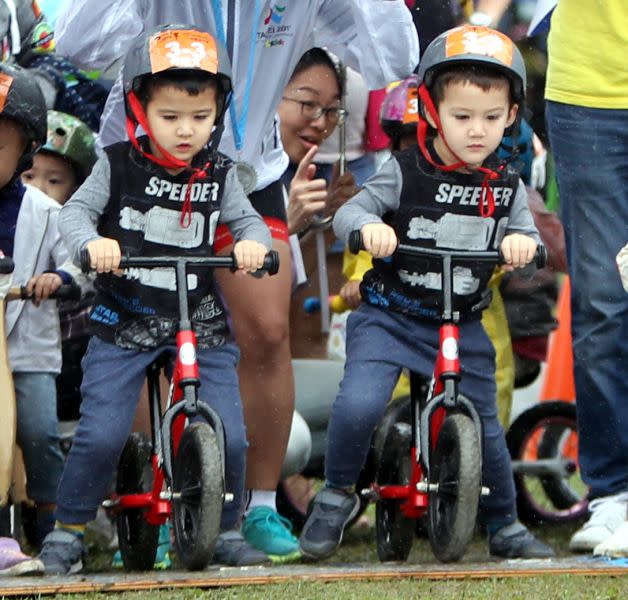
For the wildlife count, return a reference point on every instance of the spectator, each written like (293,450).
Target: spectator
(587,117)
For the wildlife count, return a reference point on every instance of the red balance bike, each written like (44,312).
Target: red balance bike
(432,467)
(179,473)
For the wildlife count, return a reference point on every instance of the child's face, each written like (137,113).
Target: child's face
(12,146)
(52,175)
(473,121)
(180,122)
(313,88)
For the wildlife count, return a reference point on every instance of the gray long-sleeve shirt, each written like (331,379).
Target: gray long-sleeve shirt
(79,216)
(382,193)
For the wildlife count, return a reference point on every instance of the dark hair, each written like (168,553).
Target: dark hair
(316,57)
(192,81)
(484,77)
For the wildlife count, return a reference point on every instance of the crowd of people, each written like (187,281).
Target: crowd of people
(101,122)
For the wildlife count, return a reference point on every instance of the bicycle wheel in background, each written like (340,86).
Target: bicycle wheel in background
(138,539)
(394,531)
(543,445)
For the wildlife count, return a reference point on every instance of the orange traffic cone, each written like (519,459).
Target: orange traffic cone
(558,383)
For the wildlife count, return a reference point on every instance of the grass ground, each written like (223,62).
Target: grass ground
(359,547)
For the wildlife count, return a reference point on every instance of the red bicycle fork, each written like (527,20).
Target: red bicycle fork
(414,496)
(158,502)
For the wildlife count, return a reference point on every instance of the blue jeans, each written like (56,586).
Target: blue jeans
(591,153)
(379,344)
(37,433)
(112,381)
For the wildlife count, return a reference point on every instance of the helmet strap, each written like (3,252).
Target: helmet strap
(487,201)
(137,117)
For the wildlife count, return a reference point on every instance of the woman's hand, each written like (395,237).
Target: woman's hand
(307,196)
(341,189)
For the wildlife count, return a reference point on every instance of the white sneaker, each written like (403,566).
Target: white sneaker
(607,516)
(615,546)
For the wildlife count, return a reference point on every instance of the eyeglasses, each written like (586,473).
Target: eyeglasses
(313,110)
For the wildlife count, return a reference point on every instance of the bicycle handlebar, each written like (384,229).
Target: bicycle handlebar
(63,292)
(540,256)
(271,261)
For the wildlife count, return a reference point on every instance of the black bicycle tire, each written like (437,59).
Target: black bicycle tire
(198,488)
(455,465)
(137,538)
(394,531)
(519,433)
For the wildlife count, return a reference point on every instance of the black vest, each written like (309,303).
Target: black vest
(140,309)
(439,209)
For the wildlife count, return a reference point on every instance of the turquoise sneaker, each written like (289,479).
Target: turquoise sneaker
(264,529)
(162,557)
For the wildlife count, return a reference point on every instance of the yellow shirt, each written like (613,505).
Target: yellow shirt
(588,54)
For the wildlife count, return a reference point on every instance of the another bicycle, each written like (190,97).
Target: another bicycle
(179,473)
(433,466)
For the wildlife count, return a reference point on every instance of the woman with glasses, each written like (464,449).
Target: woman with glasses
(309,111)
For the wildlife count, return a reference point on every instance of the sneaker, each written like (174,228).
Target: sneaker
(233,550)
(14,562)
(266,530)
(515,541)
(62,553)
(608,514)
(103,531)
(615,546)
(331,510)
(162,556)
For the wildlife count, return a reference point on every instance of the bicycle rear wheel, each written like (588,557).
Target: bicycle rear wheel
(198,495)
(394,531)
(456,469)
(138,539)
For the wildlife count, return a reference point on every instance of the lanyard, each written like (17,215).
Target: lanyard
(238,124)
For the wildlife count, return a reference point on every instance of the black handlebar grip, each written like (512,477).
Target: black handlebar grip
(86,261)
(355,241)
(540,257)
(271,262)
(67,291)
(6,265)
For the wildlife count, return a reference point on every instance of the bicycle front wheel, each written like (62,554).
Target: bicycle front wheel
(456,469)
(198,495)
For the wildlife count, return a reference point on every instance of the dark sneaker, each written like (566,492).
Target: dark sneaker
(515,541)
(331,510)
(62,553)
(266,530)
(233,550)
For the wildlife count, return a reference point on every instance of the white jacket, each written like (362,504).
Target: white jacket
(376,37)
(33,335)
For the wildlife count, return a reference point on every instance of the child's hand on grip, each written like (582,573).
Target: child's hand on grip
(379,239)
(518,251)
(104,254)
(249,255)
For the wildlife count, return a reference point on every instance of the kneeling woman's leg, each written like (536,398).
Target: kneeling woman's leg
(219,388)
